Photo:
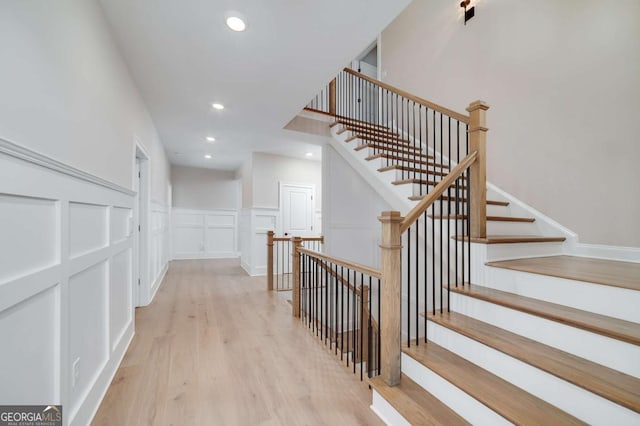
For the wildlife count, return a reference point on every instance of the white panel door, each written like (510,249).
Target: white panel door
(297,210)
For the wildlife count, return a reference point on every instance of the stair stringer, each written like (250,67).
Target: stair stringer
(363,168)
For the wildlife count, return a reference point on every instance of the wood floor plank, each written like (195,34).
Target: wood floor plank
(599,271)
(215,347)
(415,404)
(611,327)
(508,400)
(613,385)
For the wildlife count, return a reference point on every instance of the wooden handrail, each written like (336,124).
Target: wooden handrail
(453,114)
(321,239)
(347,264)
(437,191)
(345,283)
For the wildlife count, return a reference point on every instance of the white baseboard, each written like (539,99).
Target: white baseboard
(156,285)
(200,256)
(626,254)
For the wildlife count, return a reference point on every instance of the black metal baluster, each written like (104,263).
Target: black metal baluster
(348,311)
(426,288)
(449,223)
(354,331)
(335,310)
(342,311)
(369,329)
(409,287)
(441,216)
(361,323)
(379,332)
(417,285)
(469,214)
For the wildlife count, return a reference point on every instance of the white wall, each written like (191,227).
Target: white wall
(204,189)
(268,170)
(67,93)
(350,211)
(562,80)
(66,281)
(245,175)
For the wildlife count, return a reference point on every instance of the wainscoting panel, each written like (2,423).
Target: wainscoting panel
(87,228)
(66,283)
(87,329)
(256,223)
(204,234)
(120,299)
(31,226)
(30,334)
(159,245)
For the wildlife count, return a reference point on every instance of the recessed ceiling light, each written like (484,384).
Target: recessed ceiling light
(211,139)
(236,23)
(207,156)
(309,154)
(217,106)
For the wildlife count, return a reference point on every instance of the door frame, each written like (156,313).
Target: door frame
(281,186)
(141,216)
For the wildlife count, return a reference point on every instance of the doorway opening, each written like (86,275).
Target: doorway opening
(141,209)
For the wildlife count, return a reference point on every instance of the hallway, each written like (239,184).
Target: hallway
(215,348)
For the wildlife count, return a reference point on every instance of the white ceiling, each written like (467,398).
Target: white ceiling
(183,57)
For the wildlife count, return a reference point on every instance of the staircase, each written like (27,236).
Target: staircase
(519,333)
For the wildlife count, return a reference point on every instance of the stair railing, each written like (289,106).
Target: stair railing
(340,303)
(443,154)
(432,263)
(279,264)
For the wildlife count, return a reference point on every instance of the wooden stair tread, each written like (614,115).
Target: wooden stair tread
(364,131)
(453,199)
(508,400)
(417,181)
(607,326)
(381,140)
(421,161)
(428,171)
(511,239)
(599,271)
(414,169)
(415,404)
(393,149)
(354,121)
(613,385)
(489,218)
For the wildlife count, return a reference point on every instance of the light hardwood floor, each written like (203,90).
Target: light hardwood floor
(216,348)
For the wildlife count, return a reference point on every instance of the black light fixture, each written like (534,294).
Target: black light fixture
(468,13)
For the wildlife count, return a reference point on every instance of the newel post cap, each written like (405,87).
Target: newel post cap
(476,105)
(390,216)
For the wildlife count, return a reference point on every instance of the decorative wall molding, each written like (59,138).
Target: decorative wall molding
(66,277)
(26,154)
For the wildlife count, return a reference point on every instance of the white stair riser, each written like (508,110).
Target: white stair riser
(482,253)
(576,401)
(495,227)
(459,401)
(603,350)
(601,299)
(386,412)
